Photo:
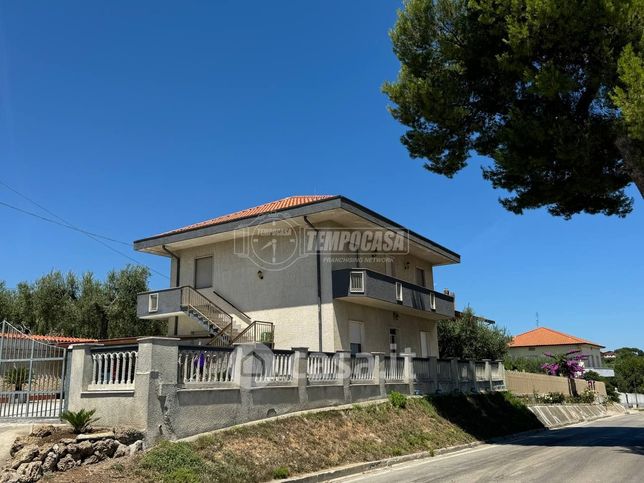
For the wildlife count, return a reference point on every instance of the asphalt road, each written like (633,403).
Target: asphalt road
(607,450)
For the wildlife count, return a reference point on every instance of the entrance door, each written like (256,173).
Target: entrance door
(424,344)
(356,331)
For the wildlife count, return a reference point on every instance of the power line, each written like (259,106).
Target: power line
(65,224)
(46,210)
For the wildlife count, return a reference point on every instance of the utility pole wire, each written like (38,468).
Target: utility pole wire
(65,224)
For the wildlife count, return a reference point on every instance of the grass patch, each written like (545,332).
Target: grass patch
(301,444)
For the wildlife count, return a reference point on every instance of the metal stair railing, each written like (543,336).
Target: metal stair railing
(219,322)
(257,331)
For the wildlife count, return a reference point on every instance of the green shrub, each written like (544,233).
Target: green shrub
(81,420)
(587,397)
(182,475)
(398,400)
(525,364)
(17,377)
(281,472)
(550,398)
(167,457)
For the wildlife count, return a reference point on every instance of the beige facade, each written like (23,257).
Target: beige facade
(590,351)
(303,289)
(288,298)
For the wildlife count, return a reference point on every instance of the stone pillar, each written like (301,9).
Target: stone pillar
(488,375)
(379,372)
(502,372)
(408,371)
(344,366)
(471,370)
(155,385)
(80,374)
(455,373)
(300,362)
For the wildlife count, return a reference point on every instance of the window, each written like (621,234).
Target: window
(399,292)
(356,282)
(153,302)
(531,349)
(420,277)
(432,301)
(424,343)
(393,340)
(355,336)
(203,272)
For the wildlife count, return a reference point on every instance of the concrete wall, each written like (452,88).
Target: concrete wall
(528,383)
(593,352)
(167,405)
(554,415)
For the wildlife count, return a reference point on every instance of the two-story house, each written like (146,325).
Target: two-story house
(321,272)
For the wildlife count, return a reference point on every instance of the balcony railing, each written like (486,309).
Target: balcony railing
(356,284)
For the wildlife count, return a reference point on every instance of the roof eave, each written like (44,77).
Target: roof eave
(326,204)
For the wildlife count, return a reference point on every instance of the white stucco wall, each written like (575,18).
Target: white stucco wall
(288,298)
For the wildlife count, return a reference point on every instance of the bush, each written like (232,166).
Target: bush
(525,364)
(587,397)
(281,472)
(398,400)
(17,377)
(80,420)
(550,398)
(167,457)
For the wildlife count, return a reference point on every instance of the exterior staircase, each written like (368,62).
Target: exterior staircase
(220,324)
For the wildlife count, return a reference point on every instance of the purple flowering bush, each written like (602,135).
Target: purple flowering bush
(568,365)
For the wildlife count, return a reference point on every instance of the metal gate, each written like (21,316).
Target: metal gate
(32,375)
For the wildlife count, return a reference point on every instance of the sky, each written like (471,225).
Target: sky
(132,118)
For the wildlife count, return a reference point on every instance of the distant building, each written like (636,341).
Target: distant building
(535,343)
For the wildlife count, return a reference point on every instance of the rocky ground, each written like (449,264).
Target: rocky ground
(53,449)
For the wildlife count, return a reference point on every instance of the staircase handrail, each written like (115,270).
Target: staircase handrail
(190,297)
(245,335)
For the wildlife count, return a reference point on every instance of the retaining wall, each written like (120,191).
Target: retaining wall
(554,415)
(529,383)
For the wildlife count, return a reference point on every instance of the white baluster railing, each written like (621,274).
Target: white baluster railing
(480,371)
(421,369)
(362,368)
(113,370)
(394,369)
(321,367)
(206,366)
(276,369)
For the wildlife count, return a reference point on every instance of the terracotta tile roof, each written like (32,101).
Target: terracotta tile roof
(266,208)
(543,336)
(56,339)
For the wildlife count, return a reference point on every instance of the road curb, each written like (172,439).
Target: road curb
(355,468)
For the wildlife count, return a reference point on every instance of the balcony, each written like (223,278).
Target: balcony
(366,287)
